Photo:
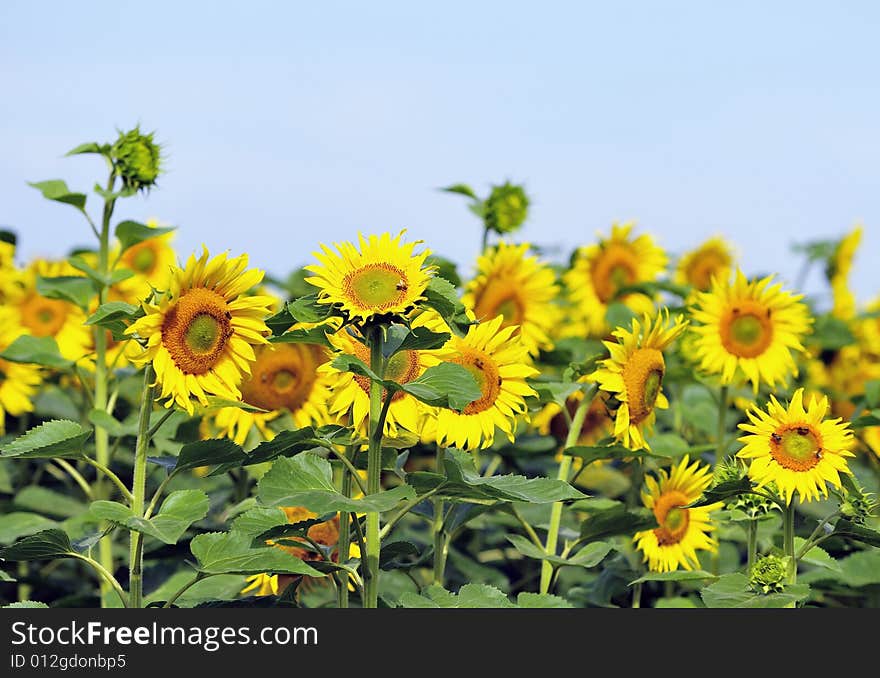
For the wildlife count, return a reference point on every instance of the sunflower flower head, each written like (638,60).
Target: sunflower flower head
(18,381)
(506,208)
(713,259)
(769,574)
(137,158)
(680,531)
(518,287)
(632,377)
(200,335)
(796,448)
(151,261)
(748,328)
(380,276)
(600,271)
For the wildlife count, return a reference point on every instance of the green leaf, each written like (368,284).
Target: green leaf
(109,315)
(615,521)
(591,555)
(619,315)
(211,452)
(441,296)
(108,422)
(56,438)
(861,568)
(57,190)
(423,339)
(831,333)
(309,310)
(446,268)
(868,420)
(89,147)
(668,445)
(256,521)
(43,500)
(130,233)
(849,530)
(722,491)
(541,600)
(461,189)
(179,510)
(732,590)
(675,575)
(289,443)
(26,605)
(232,553)
(461,481)
(218,403)
(307,480)
(280,322)
(554,391)
(469,596)
(676,603)
(314,335)
(36,350)
(19,524)
(816,556)
(594,453)
(44,545)
(4,577)
(872,393)
(73,288)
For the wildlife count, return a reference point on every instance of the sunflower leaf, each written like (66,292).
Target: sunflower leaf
(850,530)
(211,452)
(441,296)
(56,438)
(594,453)
(44,545)
(461,189)
(73,288)
(722,491)
(675,575)
(616,521)
(130,233)
(57,190)
(309,310)
(732,590)
(179,510)
(314,335)
(232,553)
(36,350)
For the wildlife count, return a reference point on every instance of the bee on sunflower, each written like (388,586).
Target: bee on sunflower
(200,335)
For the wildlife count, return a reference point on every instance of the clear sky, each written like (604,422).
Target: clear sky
(289,123)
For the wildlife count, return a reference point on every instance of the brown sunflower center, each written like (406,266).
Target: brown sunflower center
(142,258)
(704,266)
(485,373)
(643,378)
(282,377)
(746,329)
(402,367)
(797,447)
(44,317)
(324,534)
(673,520)
(196,330)
(615,267)
(375,286)
(499,297)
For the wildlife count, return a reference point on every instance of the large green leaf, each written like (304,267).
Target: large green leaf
(541,600)
(113,315)
(722,491)
(57,190)
(36,350)
(469,596)
(441,296)
(308,309)
(307,480)
(56,438)
(179,510)
(75,289)
(232,553)
(589,556)
(20,524)
(732,590)
(130,233)
(850,530)
(210,452)
(616,521)
(675,575)
(289,443)
(43,500)
(44,545)
(461,481)
(258,520)
(313,335)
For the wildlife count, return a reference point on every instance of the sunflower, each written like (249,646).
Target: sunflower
(351,392)
(383,276)
(633,375)
(325,534)
(9,273)
(839,267)
(18,381)
(599,271)
(151,261)
(749,327)
(518,287)
(200,335)
(44,317)
(796,448)
(283,378)
(497,358)
(712,259)
(681,532)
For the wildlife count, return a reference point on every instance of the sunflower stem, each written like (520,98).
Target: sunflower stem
(441,539)
(720,449)
(102,439)
(374,469)
(788,541)
(752,550)
(138,491)
(344,545)
(574,431)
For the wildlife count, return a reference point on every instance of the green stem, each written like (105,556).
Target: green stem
(77,476)
(485,242)
(752,530)
(105,575)
(637,595)
(186,587)
(406,508)
(788,541)
(139,487)
(574,431)
(155,427)
(349,472)
(374,470)
(24,589)
(810,543)
(722,413)
(528,529)
(112,476)
(344,544)
(441,539)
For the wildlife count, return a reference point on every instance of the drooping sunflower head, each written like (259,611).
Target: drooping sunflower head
(200,335)
(381,276)
(796,447)
(713,259)
(838,270)
(18,381)
(498,360)
(519,288)
(680,531)
(633,374)
(751,328)
(600,271)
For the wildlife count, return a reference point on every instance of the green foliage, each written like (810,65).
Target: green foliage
(232,553)
(733,590)
(44,545)
(616,521)
(131,233)
(75,289)
(179,510)
(36,350)
(57,438)
(57,190)
(441,296)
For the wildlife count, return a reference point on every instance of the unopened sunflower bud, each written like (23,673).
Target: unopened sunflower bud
(856,503)
(506,208)
(769,574)
(729,470)
(137,159)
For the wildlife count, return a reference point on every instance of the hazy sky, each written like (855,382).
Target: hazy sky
(287,123)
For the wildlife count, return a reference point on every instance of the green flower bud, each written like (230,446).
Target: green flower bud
(729,470)
(769,574)
(856,503)
(506,208)
(137,159)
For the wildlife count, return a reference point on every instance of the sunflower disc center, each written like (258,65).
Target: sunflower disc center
(796,447)
(485,373)
(746,330)
(615,268)
(377,286)
(499,297)
(282,377)
(643,379)
(44,317)
(143,260)
(402,367)
(704,267)
(284,380)
(202,333)
(196,330)
(671,517)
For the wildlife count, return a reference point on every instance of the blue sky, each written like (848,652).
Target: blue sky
(290,123)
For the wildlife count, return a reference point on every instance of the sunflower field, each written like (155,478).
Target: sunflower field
(384,428)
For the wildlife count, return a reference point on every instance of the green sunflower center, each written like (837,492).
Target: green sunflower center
(144,260)
(509,309)
(45,316)
(796,447)
(672,519)
(653,382)
(284,380)
(675,518)
(377,286)
(202,333)
(747,330)
(643,377)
